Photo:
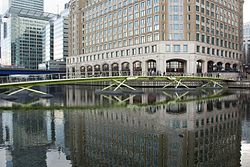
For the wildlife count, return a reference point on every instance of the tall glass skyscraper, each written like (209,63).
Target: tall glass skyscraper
(56,42)
(37,5)
(0,33)
(246,43)
(22,30)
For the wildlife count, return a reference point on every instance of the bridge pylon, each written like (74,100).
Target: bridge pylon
(116,86)
(176,82)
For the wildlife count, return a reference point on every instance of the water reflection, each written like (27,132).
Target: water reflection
(245,148)
(170,131)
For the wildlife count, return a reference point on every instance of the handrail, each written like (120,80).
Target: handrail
(58,76)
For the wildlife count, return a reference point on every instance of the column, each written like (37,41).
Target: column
(120,69)
(131,68)
(204,67)
(161,65)
(191,67)
(143,66)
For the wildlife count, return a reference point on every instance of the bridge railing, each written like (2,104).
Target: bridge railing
(40,77)
(35,77)
(137,73)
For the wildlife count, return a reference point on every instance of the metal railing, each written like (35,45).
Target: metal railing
(33,77)
(58,76)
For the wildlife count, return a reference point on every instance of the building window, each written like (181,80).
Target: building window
(154,49)
(136,40)
(185,48)
(208,50)
(149,38)
(167,48)
(203,49)
(198,49)
(203,38)
(133,51)
(177,48)
(146,49)
(213,51)
(127,52)
(139,50)
(142,39)
(156,37)
(130,41)
(4,30)
(197,37)
(122,53)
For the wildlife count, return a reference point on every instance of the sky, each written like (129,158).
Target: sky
(52,6)
(56,6)
(246,11)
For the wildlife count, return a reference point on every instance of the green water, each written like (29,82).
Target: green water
(156,128)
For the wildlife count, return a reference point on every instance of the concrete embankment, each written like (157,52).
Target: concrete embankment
(245,84)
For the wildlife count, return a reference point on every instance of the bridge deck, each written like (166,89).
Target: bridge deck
(43,81)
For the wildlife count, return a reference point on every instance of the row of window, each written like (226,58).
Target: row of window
(104,8)
(123,24)
(113,54)
(219,20)
(216,119)
(140,50)
(218,52)
(94,47)
(232,4)
(216,41)
(177,48)
(218,28)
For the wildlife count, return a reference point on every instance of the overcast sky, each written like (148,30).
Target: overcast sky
(52,6)
(55,6)
(246,11)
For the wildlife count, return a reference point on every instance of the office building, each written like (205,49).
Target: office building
(171,134)
(152,35)
(56,42)
(61,35)
(48,41)
(0,35)
(36,5)
(22,34)
(246,43)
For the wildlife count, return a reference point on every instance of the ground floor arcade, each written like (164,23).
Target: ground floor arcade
(158,64)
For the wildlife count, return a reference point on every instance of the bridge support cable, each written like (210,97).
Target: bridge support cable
(21,88)
(177,96)
(117,99)
(175,82)
(119,84)
(212,83)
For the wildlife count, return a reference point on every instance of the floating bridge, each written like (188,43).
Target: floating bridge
(116,83)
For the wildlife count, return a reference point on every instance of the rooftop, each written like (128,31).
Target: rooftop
(29,13)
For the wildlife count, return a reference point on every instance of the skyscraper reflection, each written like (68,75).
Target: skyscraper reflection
(153,129)
(195,133)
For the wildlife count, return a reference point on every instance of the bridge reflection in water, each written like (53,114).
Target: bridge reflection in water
(181,132)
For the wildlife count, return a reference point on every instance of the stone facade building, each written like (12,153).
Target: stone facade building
(141,36)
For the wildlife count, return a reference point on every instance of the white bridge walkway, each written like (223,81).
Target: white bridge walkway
(117,80)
